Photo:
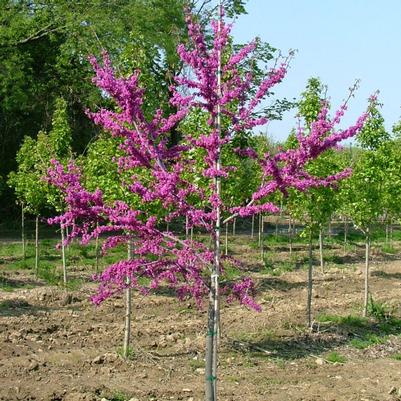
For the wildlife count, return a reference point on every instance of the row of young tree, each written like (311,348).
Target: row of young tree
(44,47)
(134,183)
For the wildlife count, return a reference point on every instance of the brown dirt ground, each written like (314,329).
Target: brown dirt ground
(57,351)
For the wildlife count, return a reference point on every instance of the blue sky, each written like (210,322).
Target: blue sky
(337,41)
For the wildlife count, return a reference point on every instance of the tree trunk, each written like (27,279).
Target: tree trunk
(97,254)
(387,233)
(128,309)
(213,324)
(234,224)
(260,229)
(367,257)
(37,246)
(290,234)
(186,228)
(330,228)
(262,245)
(253,226)
(321,249)
(23,232)
(63,257)
(345,234)
(310,284)
(192,233)
(226,241)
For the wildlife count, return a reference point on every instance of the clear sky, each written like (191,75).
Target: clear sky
(337,41)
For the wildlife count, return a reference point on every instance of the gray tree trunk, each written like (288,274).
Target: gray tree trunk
(128,309)
(310,284)
(253,226)
(290,234)
(226,241)
(321,249)
(345,234)
(367,273)
(23,231)
(37,246)
(213,324)
(97,254)
(63,257)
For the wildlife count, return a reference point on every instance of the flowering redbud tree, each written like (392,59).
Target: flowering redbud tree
(163,177)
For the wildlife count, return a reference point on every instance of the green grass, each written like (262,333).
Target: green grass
(388,249)
(196,364)
(364,332)
(335,357)
(396,356)
(350,320)
(367,340)
(130,352)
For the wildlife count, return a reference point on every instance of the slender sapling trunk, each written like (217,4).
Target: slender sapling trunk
(226,241)
(310,284)
(23,232)
(63,257)
(128,309)
(253,226)
(321,249)
(367,273)
(37,246)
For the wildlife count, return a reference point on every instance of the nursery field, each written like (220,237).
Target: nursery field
(55,345)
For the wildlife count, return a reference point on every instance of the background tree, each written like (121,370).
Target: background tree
(34,194)
(367,181)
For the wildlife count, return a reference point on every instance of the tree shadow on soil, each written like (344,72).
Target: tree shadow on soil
(274,283)
(18,307)
(353,331)
(390,276)
(11,284)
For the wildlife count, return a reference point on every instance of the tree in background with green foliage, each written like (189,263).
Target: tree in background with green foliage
(44,48)
(33,193)
(362,195)
(315,207)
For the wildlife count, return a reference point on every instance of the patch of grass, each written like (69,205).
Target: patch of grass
(378,309)
(196,364)
(335,357)
(335,259)
(75,284)
(119,396)
(386,248)
(367,341)
(396,356)
(48,273)
(254,337)
(350,320)
(130,352)
(277,268)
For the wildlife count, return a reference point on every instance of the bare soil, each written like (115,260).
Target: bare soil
(59,347)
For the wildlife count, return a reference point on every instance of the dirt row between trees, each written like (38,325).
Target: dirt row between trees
(59,348)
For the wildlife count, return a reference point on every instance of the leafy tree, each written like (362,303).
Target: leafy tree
(314,207)
(33,193)
(368,177)
(189,267)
